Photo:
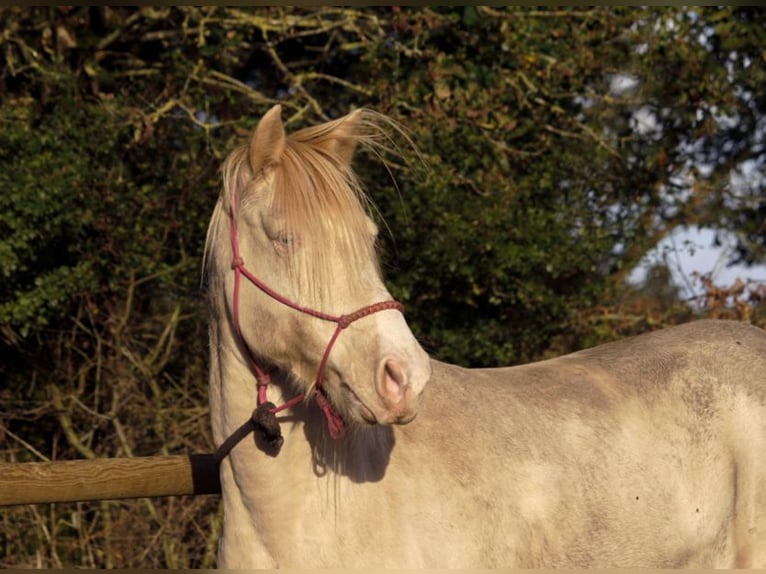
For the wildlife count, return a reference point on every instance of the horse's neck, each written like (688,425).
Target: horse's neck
(233,385)
(253,507)
(267,498)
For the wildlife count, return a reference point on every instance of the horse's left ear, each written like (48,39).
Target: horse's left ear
(268,141)
(342,136)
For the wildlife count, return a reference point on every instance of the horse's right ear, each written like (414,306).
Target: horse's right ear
(268,141)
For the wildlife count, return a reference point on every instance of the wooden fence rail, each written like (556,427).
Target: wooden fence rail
(108,478)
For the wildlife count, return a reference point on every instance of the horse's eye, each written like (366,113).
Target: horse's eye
(285,243)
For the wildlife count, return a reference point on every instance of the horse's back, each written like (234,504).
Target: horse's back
(700,360)
(718,352)
(646,451)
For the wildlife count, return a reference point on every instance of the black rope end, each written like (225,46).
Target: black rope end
(267,427)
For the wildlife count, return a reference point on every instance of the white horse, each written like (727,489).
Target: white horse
(646,452)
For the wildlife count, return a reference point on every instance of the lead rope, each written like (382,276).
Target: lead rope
(264,416)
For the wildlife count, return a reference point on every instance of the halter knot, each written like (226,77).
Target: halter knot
(264,420)
(237,262)
(265,423)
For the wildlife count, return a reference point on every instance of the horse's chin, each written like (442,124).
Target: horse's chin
(355,407)
(360,412)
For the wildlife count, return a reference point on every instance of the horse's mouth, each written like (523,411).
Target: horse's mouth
(364,412)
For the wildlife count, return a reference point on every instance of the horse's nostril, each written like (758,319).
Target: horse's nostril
(393,383)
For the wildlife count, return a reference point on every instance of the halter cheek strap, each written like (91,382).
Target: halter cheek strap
(263,417)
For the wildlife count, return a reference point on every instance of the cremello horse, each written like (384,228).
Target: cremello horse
(646,452)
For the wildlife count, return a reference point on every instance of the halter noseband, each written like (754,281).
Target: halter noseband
(263,417)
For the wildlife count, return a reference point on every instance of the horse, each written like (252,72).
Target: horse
(341,443)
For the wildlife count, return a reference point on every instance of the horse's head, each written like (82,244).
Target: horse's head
(294,211)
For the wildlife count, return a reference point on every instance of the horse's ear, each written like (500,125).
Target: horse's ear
(342,138)
(268,140)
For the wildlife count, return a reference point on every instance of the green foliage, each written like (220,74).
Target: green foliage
(42,215)
(519,211)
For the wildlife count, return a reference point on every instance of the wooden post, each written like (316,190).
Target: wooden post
(107,478)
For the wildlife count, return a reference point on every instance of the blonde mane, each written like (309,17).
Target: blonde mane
(317,197)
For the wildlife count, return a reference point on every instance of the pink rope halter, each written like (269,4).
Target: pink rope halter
(335,423)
